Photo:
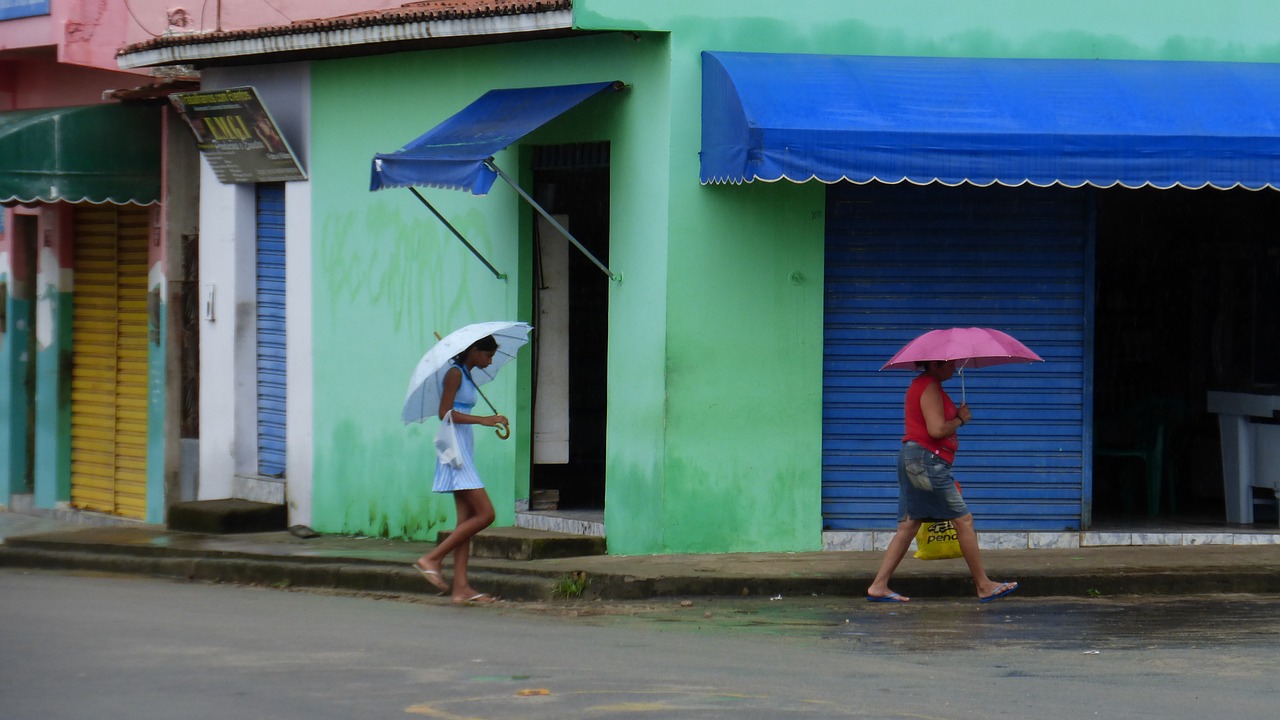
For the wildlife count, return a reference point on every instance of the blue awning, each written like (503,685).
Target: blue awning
(983,121)
(452,154)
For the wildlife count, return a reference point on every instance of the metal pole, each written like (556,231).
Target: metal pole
(492,166)
(475,252)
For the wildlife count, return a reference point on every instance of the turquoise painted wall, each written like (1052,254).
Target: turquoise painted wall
(158,339)
(13,393)
(387,274)
(53,404)
(714,438)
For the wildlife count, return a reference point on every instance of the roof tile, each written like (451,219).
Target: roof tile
(421,11)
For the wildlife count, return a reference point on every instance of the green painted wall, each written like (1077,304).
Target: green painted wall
(387,274)
(743,457)
(715,411)
(1228,30)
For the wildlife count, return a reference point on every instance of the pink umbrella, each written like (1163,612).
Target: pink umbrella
(969,347)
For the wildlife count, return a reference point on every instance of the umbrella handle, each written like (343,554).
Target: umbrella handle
(502,431)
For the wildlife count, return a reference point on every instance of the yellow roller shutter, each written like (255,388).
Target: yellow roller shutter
(109,361)
(93,360)
(131,364)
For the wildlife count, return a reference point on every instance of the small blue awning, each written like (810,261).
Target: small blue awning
(452,154)
(983,121)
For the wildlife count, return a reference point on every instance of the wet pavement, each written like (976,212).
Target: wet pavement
(1091,625)
(173,648)
(381,565)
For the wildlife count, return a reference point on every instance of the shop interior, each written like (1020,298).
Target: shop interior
(572,183)
(1187,288)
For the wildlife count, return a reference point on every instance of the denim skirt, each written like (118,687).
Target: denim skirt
(926,489)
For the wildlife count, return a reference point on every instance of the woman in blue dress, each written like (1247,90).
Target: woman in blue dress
(475,511)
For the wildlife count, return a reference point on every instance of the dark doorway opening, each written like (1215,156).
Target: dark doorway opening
(1187,286)
(26,247)
(571,310)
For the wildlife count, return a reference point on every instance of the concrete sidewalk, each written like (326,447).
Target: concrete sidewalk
(379,565)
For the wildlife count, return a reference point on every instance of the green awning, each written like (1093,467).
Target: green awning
(88,153)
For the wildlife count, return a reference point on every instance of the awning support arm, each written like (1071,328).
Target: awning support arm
(492,166)
(492,269)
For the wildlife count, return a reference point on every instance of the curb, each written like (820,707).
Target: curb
(1138,582)
(532,583)
(356,575)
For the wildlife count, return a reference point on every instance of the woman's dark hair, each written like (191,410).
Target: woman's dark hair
(484,344)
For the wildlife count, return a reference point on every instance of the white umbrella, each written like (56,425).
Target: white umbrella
(423,400)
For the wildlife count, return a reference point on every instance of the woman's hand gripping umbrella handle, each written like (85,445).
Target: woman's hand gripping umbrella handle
(499,429)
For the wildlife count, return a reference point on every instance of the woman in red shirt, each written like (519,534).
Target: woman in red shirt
(926,488)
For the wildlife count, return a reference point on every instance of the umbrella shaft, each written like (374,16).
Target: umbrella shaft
(493,409)
(480,392)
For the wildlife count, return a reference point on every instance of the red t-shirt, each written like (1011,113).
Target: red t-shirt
(916,427)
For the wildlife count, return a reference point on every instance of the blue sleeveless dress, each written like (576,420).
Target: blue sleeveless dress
(449,478)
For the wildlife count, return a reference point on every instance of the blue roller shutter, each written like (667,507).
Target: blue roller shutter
(271,329)
(902,260)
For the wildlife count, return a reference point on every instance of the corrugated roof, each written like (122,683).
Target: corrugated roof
(424,23)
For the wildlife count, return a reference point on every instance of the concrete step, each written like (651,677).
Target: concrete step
(227,516)
(517,543)
(277,572)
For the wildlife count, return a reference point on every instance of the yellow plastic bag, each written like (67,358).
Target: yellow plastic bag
(937,541)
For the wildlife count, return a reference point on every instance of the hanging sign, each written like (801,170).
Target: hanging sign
(237,136)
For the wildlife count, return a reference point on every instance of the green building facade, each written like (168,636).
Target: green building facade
(714,369)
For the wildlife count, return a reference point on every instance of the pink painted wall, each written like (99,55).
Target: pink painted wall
(75,32)
(36,81)
(89,32)
(25,33)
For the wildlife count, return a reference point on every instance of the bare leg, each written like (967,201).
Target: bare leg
(893,555)
(462,553)
(475,513)
(968,539)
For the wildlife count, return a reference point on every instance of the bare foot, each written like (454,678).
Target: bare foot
(996,590)
(431,572)
(466,594)
(882,593)
(892,597)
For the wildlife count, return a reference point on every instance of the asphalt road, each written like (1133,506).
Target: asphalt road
(83,646)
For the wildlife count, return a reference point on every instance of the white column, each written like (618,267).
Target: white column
(228,410)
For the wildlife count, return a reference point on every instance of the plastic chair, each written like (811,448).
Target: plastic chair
(1142,434)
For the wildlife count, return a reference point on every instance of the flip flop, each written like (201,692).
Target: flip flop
(1005,589)
(432,576)
(894,598)
(479,598)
